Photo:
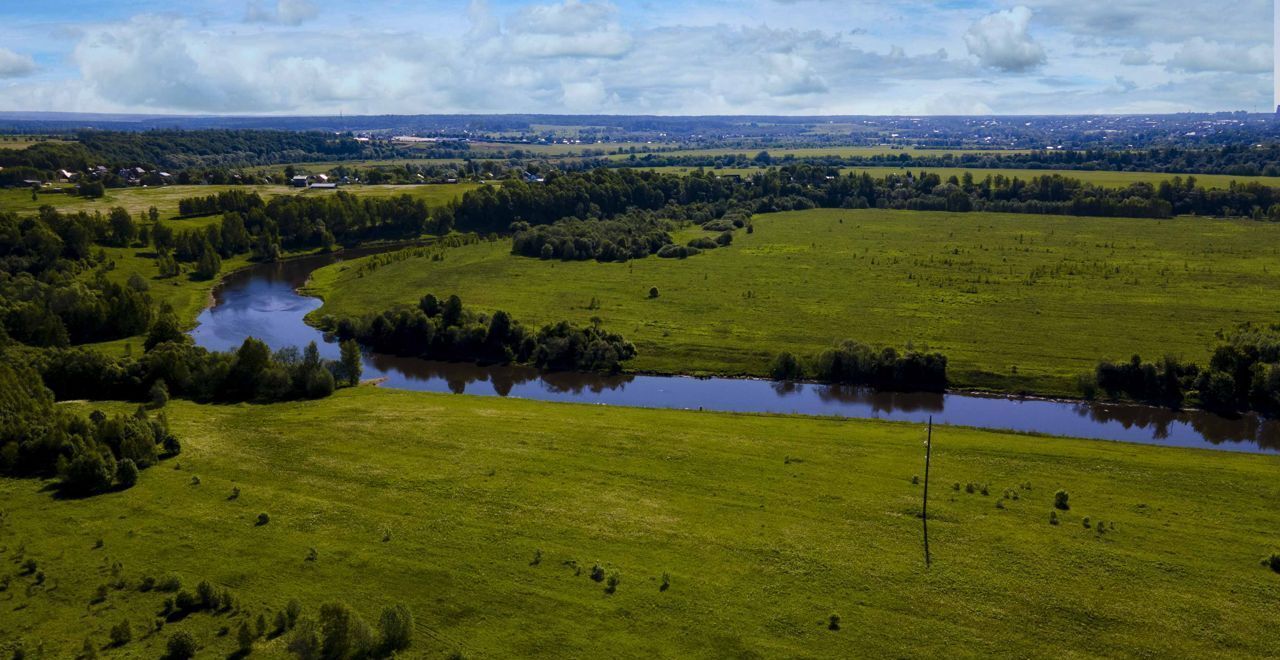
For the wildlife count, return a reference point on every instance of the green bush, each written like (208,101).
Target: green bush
(1061,500)
(181,646)
(786,367)
(121,633)
(611,585)
(597,573)
(653,292)
(833,622)
(127,473)
(263,518)
(1273,562)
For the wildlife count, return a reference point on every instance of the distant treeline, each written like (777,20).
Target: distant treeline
(179,150)
(445,330)
(853,363)
(1243,375)
(40,438)
(605,194)
(1235,160)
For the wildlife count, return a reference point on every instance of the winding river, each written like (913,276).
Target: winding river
(262,301)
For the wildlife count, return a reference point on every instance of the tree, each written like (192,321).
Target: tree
(209,264)
(158,394)
(123,229)
(127,473)
(343,633)
(396,624)
(350,360)
(165,329)
(181,646)
(90,471)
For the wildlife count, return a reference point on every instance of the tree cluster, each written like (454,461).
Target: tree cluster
(629,236)
(1242,375)
(853,363)
(38,437)
(437,330)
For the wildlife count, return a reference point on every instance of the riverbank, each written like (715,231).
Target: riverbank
(486,515)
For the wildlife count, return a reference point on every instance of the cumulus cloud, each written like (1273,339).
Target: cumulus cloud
(286,12)
(1136,57)
(1001,41)
(1199,55)
(15,65)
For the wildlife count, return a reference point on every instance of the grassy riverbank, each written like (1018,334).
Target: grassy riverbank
(765,526)
(1016,302)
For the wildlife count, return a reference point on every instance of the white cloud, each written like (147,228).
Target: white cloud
(1199,55)
(287,12)
(15,65)
(1136,57)
(1001,41)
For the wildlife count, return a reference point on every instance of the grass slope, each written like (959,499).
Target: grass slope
(1015,301)
(766,526)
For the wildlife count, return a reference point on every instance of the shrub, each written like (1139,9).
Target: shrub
(704,243)
(396,624)
(263,519)
(121,633)
(1085,522)
(597,573)
(169,583)
(969,488)
(1061,500)
(724,239)
(833,622)
(147,584)
(244,637)
(127,473)
(306,640)
(1053,517)
(207,596)
(999,504)
(1272,562)
(343,633)
(915,479)
(666,582)
(181,646)
(956,486)
(292,610)
(186,602)
(159,394)
(653,292)
(611,585)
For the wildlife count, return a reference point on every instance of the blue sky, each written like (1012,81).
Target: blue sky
(652,57)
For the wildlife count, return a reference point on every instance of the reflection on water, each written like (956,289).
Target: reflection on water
(262,302)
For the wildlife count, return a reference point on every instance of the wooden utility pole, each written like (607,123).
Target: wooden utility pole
(924,511)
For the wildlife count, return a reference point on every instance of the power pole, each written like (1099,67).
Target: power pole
(924,511)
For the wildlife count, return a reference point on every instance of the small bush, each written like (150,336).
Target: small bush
(1061,500)
(169,583)
(537,558)
(653,292)
(181,646)
(786,367)
(597,573)
(999,504)
(611,585)
(666,582)
(1272,562)
(147,584)
(186,602)
(915,479)
(1085,522)
(312,554)
(121,633)
(244,637)
(235,493)
(263,519)
(969,488)
(1053,517)
(833,622)
(292,611)
(956,486)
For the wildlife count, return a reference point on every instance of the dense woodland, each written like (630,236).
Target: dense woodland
(445,330)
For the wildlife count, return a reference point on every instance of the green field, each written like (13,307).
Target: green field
(765,525)
(165,199)
(1016,302)
(1105,179)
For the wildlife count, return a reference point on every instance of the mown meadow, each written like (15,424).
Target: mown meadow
(488,517)
(1016,302)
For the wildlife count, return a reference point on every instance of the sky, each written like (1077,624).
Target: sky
(697,57)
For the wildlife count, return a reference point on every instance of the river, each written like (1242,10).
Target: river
(262,301)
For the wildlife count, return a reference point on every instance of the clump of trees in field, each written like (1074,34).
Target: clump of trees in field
(88,455)
(339,632)
(1242,375)
(445,330)
(853,363)
(251,373)
(630,236)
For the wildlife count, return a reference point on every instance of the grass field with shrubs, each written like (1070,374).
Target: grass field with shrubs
(513,528)
(1016,302)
